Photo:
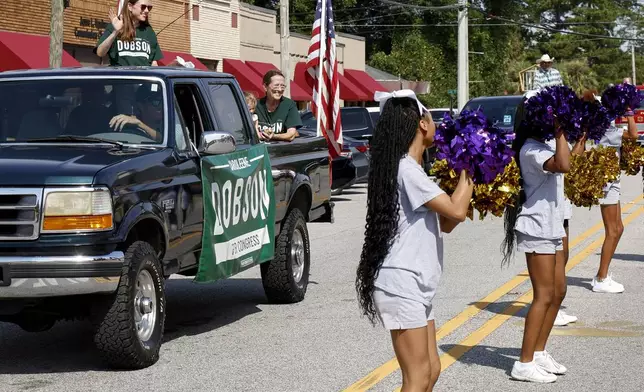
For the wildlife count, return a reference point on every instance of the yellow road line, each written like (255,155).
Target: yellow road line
(384,370)
(495,322)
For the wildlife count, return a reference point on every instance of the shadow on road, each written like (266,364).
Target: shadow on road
(334,198)
(493,357)
(192,309)
(629,257)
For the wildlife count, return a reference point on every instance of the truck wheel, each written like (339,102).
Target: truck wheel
(130,329)
(286,277)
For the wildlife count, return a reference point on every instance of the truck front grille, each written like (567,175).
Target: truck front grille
(20,213)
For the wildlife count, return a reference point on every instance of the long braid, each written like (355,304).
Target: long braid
(392,137)
(522,133)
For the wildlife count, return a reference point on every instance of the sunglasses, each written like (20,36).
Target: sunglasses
(146,7)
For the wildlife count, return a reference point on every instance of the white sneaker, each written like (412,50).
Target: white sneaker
(560,321)
(568,317)
(546,362)
(531,372)
(607,285)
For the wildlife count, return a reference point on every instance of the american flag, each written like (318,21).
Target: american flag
(328,90)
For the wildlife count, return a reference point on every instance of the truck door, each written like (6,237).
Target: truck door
(195,119)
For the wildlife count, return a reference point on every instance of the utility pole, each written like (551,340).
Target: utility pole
(633,63)
(284,51)
(463,56)
(56,34)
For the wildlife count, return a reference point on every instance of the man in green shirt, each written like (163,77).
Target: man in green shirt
(130,40)
(278,116)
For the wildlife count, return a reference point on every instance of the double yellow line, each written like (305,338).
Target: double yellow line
(495,322)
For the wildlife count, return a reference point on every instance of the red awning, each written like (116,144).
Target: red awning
(169,57)
(28,51)
(364,81)
(350,92)
(248,79)
(298,92)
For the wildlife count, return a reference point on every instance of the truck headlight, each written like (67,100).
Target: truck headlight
(77,210)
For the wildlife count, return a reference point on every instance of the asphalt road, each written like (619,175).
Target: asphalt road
(225,337)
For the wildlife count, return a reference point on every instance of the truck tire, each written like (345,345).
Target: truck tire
(286,277)
(129,330)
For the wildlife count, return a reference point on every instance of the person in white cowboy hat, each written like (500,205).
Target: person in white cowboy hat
(546,76)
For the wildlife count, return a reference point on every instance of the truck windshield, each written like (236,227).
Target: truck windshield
(126,111)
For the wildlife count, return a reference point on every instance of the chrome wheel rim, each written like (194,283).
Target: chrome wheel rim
(145,306)
(297,255)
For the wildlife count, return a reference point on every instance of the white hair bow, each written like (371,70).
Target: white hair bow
(383,97)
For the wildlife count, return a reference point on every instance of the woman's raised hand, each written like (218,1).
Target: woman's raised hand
(116,22)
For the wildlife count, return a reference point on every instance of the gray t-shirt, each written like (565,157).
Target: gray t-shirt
(613,138)
(567,204)
(542,214)
(414,265)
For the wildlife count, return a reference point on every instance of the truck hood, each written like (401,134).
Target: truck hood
(38,165)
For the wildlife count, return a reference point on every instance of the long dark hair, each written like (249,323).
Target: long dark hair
(392,137)
(128,33)
(522,133)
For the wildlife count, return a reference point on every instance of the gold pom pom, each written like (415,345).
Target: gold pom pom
(589,173)
(632,157)
(494,197)
(489,198)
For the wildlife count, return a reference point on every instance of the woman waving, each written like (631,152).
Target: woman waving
(130,40)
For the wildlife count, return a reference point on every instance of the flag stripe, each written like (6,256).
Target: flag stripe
(329,90)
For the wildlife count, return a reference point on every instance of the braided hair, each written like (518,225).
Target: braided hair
(391,140)
(522,132)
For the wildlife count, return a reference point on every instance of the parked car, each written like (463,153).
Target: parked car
(499,110)
(355,152)
(356,122)
(374,112)
(95,219)
(439,113)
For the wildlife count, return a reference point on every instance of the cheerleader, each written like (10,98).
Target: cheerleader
(535,224)
(611,211)
(402,256)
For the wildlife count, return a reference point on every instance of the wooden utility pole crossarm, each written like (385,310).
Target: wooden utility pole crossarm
(56,34)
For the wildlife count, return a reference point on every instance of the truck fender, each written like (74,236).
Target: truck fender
(300,184)
(143,210)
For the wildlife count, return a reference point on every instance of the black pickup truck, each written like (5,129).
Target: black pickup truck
(101,198)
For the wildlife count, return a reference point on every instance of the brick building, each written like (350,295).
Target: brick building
(221,35)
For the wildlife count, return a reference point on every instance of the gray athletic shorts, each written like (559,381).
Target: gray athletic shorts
(529,244)
(611,195)
(397,312)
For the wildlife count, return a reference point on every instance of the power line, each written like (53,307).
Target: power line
(541,27)
(423,7)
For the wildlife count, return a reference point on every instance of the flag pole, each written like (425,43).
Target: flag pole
(318,102)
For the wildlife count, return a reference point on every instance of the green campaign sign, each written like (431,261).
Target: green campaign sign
(239,213)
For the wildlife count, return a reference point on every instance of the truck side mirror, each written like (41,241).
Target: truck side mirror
(216,143)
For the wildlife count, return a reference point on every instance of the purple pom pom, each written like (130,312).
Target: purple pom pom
(471,143)
(618,98)
(558,102)
(595,120)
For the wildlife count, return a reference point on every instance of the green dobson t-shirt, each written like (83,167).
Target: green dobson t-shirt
(284,117)
(140,52)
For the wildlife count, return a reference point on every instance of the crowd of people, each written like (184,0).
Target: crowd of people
(398,274)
